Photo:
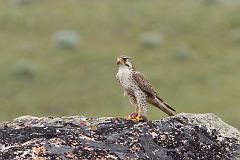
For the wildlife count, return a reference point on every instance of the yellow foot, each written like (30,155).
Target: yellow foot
(134,117)
(139,118)
(131,119)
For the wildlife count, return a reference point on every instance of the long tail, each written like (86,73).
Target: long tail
(159,103)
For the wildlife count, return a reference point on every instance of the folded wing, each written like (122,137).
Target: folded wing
(154,99)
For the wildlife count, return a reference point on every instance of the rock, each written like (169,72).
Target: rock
(184,136)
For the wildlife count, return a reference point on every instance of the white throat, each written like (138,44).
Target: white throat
(124,76)
(123,67)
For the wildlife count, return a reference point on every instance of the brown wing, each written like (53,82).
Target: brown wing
(145,85)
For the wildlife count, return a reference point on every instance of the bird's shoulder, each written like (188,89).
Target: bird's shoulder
(143,83)
(140,78)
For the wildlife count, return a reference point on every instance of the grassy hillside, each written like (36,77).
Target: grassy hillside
(190,50)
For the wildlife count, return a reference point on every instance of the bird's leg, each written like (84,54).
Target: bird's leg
(142,108)
(141,117)
(139,113)
(133,101)
(136,108)
(133,115)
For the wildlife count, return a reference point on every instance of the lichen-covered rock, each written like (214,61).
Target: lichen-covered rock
(185,136)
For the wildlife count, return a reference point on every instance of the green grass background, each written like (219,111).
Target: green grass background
(195,68)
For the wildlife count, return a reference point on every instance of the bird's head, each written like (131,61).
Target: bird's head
(124,61)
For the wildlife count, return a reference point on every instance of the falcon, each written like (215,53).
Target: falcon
(139,90)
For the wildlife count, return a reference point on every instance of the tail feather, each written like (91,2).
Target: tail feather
(159,103)
(165,108)
(168,106)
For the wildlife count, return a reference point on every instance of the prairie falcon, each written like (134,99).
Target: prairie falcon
(139,90)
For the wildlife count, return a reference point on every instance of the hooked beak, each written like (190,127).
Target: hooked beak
(119,61)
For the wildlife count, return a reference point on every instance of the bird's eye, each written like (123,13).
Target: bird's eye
(125,58)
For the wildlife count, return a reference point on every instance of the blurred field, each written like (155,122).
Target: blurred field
(190,50)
